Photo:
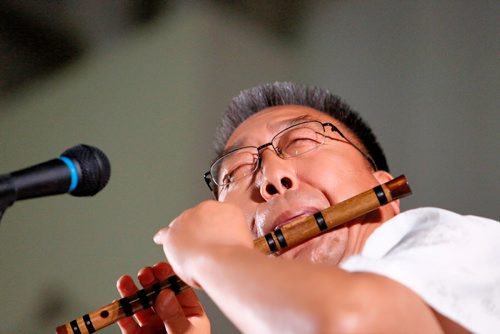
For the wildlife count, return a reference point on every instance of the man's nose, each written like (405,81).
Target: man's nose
(278,174)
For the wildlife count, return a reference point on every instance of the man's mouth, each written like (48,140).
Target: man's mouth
(289,216)
(284,210)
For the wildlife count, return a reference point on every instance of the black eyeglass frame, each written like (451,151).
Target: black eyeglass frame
(209,179)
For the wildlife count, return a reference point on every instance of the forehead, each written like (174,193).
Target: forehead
(262,126)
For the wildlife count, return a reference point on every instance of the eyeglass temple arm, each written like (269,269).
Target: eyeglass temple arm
(365,155)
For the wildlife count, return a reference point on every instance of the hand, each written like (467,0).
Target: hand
(193,236)
(181,314)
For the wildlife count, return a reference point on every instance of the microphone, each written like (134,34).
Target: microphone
(82,170)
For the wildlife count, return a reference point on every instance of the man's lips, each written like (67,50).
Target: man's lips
(291,215)
(292,205)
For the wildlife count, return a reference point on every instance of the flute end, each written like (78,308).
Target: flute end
(61,330)
(399,187)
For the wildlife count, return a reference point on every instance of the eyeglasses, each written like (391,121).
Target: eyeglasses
(291,142)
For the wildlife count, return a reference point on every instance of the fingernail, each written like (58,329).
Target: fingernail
(146,276)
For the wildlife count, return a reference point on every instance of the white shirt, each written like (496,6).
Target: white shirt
(451,261)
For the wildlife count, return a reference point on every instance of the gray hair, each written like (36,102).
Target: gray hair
(258,98)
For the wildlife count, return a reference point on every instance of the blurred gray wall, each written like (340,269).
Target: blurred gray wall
(425,75)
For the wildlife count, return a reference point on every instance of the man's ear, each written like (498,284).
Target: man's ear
(382,177)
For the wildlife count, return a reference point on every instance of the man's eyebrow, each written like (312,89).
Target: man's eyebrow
(279,127)
(296,120)
(233,147)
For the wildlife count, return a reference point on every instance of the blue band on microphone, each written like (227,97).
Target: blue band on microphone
(72,171)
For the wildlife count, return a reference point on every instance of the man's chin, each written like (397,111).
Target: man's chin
(317,250)
(295,252)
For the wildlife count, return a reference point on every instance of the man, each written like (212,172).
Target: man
(287,151)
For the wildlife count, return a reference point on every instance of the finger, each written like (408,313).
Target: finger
(158,238)
(147,278)
(187,298)
(128,326)
(162,270)
(127,287)
(170,311)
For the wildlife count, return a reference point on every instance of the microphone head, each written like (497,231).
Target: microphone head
(94,166)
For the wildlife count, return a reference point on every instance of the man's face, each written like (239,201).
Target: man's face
(282,190)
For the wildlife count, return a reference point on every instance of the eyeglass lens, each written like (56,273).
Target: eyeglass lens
(293,141)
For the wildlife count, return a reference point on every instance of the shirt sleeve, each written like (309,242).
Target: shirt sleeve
(451,261)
